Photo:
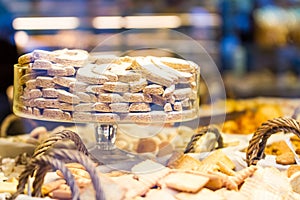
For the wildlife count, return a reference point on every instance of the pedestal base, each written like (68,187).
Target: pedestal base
(106,153)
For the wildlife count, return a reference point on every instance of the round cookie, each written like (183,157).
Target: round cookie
(146,145)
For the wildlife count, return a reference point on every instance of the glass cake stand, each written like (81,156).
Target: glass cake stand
(126,79)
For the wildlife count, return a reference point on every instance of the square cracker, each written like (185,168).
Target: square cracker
(185,182)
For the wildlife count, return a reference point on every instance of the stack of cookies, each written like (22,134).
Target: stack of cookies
(74,85)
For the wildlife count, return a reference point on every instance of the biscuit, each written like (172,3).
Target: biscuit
(25,58)
(86,75)
(219,156)
(186,77)
(83,116)
(141,107)
(168,107)
(106,117)
(44,82)
(168,92)
(121,64)
(225,169)
(146,145)
(41,64)
(183,93)
(102,70)
(278,148)
(60,70)
(188,182)
(49,93)
(137,86)
(67,97)
(101,107)
(66,107)
(56,114)
(32,94)
(110,97)
(137,97)
(27,102)
(119,107)
(36,112)
(78,86)
(126,59)
(151,72)
(178,64)
(56,70)
(153,89)
(104,59)
(95,89)
(84,97)
(177,106)
(70,71)
(43,55)
(71,57)
(93,97)
(287,158)
(159,100)
(63,81)
(127,76)
(168,71)
(31,84)
(174,116)
(118,87)
(30,76)
(46,103)
(83,107)
(171,100)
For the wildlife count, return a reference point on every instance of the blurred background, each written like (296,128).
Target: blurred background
(254,43)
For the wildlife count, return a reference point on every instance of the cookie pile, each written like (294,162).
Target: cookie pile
(185,178)
(74,85)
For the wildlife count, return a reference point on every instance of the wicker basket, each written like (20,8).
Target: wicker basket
(63,135)
(257,144)
(190,148)
(46,158)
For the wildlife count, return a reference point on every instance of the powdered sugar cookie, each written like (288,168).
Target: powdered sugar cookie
(71,57)
(86,75)
(45,82)
(63,81)
(67,97)
(101,107)
(139,107)
(153,89)
(41,64)
(118,87)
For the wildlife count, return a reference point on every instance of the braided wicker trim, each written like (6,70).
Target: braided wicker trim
(55,158)
(257,144)
(65,134)
(190,148)
(42,165)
